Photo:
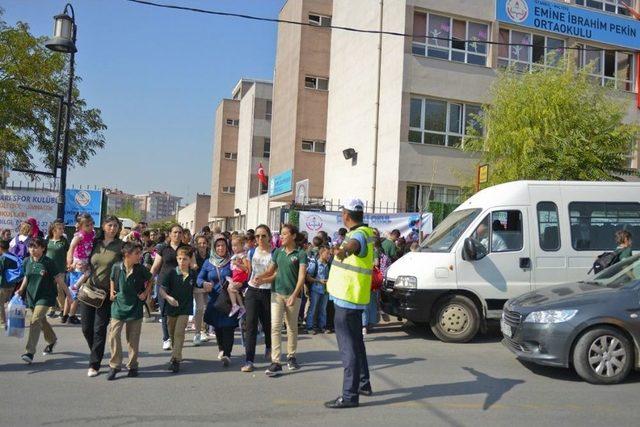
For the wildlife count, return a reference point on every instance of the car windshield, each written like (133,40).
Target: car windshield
(449,231)
(619,274)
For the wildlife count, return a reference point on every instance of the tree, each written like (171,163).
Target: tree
(27,120)
(128,210)
(553,124)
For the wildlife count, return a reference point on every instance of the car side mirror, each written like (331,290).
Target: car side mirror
(473,250)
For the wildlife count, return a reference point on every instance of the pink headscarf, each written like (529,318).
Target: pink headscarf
(35,230)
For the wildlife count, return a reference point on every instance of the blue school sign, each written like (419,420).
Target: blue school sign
(571,21)
(281,183)
(82,201)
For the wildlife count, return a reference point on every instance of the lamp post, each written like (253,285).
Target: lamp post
(64,41)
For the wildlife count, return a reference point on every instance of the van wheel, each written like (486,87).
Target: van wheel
(456,319)
(603,356)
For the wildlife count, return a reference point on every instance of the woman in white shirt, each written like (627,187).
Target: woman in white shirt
(258,298)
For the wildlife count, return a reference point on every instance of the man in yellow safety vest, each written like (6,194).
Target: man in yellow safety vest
(349,286)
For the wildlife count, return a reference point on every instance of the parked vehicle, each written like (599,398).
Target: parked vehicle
(592,325)
(502,242)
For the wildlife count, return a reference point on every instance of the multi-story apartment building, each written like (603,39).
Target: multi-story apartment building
(429,87)
(157,205)
(117,199)
(300,97)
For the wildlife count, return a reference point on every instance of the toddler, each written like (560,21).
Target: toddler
(82,243)
(240,270)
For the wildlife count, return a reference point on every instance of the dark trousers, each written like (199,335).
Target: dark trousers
(257,302)
(94,328)
(348,324)
(224,337)
(331,313)
(163,317)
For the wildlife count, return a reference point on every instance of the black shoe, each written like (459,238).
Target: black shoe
(292,364)
(49,348)
(133,372)
(366,390)
(174,366)
(64,319)
(340,403)
(274,370)
(27,357)
(112,374)
(52,315)
(74,320)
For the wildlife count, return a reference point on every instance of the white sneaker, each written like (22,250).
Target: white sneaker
(166,345)
(92,373)
(196,340)
(364,332)
(220,355)
(204,337)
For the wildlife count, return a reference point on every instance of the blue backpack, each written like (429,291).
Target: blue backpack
(12,275)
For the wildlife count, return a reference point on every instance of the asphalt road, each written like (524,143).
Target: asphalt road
(417,380)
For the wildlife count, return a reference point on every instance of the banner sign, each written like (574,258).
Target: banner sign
(83,201)
(281,183)
(331,222)
(18,205)
(571,21)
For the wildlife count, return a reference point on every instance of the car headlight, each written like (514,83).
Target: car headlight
(406,282)
(550,316)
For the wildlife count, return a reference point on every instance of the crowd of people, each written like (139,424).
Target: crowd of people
(210,282)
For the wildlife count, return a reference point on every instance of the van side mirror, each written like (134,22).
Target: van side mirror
(473,250)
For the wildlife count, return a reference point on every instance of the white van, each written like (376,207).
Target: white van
(504,241)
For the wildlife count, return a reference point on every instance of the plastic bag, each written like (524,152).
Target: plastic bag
(15,318)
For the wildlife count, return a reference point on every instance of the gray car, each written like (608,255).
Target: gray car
(592,326)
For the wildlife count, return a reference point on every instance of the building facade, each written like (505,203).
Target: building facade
(156,205)
(429,87)
(195,215)
(117,199)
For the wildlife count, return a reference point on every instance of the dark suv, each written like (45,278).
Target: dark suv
(592,325)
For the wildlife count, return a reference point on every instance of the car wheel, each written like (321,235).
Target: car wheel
(456,319)
(603,356)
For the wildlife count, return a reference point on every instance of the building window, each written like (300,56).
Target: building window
(443,37)
(613,6)
(267,114)
(233,122)
(319,20)
(593,224)
(313,146)
(419,196)
(266,151)
(542,52)
(229,190)
(231,156)
(609,68)
(432,121)
(548,226)
(318,83)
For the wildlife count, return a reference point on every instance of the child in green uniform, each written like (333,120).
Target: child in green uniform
(130,285)
(57,247)
(177,290)
(42,281)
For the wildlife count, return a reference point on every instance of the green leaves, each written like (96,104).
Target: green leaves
(554,123)
(28,120)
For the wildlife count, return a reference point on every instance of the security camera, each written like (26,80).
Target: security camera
(349,153)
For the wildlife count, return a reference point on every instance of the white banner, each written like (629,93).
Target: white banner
(18,205)
(331,222)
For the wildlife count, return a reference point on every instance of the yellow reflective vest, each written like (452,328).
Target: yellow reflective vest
(350,278)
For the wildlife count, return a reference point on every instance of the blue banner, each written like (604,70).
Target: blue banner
(281,183)
(571,21)
(83,201)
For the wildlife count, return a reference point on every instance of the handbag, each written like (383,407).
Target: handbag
(377,278)
(91,295)
(222,304)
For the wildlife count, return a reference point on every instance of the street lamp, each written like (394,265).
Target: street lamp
(64,41)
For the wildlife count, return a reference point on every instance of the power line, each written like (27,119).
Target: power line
(365,31)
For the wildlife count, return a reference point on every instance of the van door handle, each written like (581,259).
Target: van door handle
(525,263)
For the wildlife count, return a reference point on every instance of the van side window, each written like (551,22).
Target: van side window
(593,224)
(503,229)
(548,226)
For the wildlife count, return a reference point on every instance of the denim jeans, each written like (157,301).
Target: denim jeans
(317,315)
(370,314)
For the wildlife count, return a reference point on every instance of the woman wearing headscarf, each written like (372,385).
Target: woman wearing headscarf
(35,230)
(213,275)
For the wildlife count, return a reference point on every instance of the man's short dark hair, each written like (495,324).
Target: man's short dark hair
(395,233)
(356,216)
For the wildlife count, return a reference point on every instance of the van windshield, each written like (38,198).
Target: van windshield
(449,231)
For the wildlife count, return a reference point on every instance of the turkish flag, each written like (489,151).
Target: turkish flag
(261,175)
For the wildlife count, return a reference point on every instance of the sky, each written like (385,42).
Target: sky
(157,75)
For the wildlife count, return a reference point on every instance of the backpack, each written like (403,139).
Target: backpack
(604,260)
(21,248)
(13,275)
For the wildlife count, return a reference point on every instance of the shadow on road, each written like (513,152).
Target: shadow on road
(494,388)
(564,374)
(410,330)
